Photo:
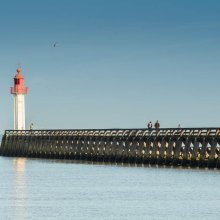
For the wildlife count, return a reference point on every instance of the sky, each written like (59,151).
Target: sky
(117,64)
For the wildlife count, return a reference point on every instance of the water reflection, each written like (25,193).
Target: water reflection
(20,188)
(121,164)
(19,165)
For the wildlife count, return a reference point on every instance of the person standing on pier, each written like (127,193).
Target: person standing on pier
(150,125)
(31,126)
(179,129)
(157,125)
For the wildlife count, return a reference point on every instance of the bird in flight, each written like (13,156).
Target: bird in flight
(55,44)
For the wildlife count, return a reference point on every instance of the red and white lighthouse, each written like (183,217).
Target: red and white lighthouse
(19,91)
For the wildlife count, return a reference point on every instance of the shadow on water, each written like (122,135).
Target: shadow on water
(20,164)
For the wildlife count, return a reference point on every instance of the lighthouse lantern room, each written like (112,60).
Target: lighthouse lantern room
(19,91)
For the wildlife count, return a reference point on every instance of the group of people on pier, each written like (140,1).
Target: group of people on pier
(156,125)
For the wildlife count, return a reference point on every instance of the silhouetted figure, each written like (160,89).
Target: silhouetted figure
(157,125)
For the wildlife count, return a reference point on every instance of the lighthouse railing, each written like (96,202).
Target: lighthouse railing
(14,90)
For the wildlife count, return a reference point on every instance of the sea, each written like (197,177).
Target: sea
(59,189)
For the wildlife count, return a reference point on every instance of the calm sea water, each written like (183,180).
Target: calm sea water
(51,189)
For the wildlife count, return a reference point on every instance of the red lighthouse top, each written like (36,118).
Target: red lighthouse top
(19,84)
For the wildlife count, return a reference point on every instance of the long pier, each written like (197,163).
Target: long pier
(170,146)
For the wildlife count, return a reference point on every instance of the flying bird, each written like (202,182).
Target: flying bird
(55,44)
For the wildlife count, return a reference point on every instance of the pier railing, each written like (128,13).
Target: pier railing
(162,132)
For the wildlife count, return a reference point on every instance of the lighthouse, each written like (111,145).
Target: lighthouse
(19,91)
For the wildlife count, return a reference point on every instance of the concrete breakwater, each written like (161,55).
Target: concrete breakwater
(170,146)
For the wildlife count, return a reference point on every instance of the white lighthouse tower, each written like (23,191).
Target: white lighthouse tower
(19,91)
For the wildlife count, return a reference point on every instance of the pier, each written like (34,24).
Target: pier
(195,147)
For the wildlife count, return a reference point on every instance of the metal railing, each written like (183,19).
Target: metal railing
(14,90)
(163,132)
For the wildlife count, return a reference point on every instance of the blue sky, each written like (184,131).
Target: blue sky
(118,63)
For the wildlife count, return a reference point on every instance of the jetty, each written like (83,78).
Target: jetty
(195,147)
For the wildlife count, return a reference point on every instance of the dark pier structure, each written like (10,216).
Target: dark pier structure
(198,147)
